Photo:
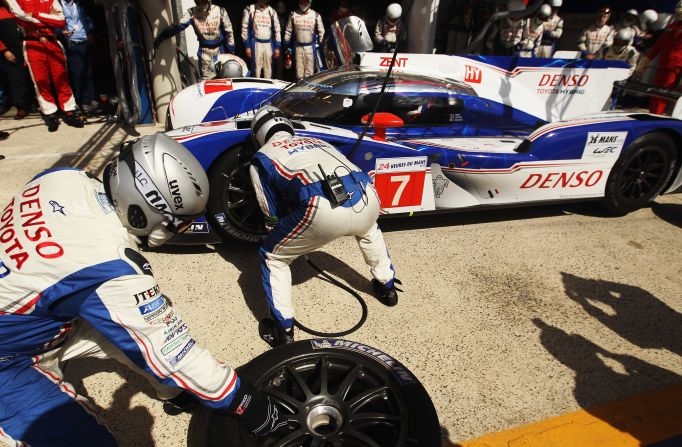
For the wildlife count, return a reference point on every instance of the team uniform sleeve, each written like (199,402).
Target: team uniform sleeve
(55,18)
(182,24)
(559,30)
(132,313)
(228,32)
(633,59)
(582,42)
(288,30)
(245,27)
(378,32)
(278,29)
(265,195)
(20,14)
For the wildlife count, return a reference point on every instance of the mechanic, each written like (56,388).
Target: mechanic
(534,30)
(622,50)
(669,47)
(213,29)
(262,37)
(229,66)
(597,36)
(72,284)
(305,32)
(509,36)
(76,37)
(388,29)
(45,58)
(646,38)
(302,213)
(12,64)
(553,29)
(629,21)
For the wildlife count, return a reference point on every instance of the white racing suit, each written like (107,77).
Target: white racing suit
(595,38)
(262,34)
(627,54)
(71,285)
(305,31)
(532,37)
(214,32)
(553,29)
(387,33)
(286,177)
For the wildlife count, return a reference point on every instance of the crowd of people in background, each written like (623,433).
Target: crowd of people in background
(40,39)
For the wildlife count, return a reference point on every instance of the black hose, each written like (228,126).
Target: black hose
(383,86)
(339,284)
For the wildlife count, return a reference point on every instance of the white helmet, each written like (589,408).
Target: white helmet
(631,12)
(515,5)
(269,121)
(230,69)
(545,11)
(157,187)
(625,36)
(394,11)
(556,3)
(648,17)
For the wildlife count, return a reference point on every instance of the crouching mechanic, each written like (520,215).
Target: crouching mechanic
(72,284)
(303,214)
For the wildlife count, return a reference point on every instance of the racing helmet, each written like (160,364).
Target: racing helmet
(157,187)
(555,3)
(545,12)
(394,11)
(515,5)
(623,37)
(648,18)
(269,121)
(230,69)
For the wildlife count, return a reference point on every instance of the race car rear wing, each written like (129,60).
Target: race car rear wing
(656,92)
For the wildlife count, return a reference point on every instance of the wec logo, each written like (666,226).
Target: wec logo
(399,61)
(472,75)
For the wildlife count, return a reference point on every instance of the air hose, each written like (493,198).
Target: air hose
(339,284)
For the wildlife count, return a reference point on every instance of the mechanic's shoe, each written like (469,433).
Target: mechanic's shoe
(3,135)
(274,334)
(387,293)
(52,122)
(184,402)
(71,119)
(21,114)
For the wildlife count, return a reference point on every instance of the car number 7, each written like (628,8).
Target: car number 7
(404,180)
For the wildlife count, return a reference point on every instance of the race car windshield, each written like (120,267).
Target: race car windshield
(344,96)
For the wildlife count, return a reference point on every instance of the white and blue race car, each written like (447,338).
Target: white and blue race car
(454,133)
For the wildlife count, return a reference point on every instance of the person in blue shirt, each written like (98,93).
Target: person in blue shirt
(76,37)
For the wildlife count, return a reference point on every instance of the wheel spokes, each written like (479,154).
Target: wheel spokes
(364,398)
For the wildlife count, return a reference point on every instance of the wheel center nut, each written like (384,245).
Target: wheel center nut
(324,420)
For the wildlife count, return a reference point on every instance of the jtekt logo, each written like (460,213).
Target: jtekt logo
(472,75)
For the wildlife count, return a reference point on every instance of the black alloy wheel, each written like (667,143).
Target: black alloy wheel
(232,205)
(641,174)
(336,397)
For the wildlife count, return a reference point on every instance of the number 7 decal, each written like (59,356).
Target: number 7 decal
(404,180)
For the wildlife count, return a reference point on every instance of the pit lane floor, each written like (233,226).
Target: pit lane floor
(546,326)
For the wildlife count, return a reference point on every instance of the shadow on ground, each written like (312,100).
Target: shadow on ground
(669,212)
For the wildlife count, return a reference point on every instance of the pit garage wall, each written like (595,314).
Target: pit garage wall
(423,17)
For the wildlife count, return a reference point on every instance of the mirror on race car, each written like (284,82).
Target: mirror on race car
(381,122)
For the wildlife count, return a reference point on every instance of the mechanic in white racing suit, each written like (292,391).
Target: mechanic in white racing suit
(213,29)
(72,284)
(305,31)
(553,29)
(302,214)
(262,37)
(388,29)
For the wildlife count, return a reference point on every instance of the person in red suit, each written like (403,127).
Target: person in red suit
(45,58)
(669,48)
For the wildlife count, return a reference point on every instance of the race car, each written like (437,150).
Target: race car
(622,159)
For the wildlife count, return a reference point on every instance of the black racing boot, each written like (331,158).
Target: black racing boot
(52,122)
(274,334)
(387,295)
(73,120)
(184,402)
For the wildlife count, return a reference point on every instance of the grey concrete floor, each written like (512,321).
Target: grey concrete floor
(508,316)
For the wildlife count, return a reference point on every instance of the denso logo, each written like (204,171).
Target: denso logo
(399,61)
(560,80)
(554,180)
(472,75)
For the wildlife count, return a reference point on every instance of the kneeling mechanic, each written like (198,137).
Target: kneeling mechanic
(72,284)
(310,195)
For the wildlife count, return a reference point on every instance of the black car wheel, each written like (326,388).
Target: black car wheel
(336,393)
(640,174)
(232,206)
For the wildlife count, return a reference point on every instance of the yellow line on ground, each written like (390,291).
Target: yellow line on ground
(635,421)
